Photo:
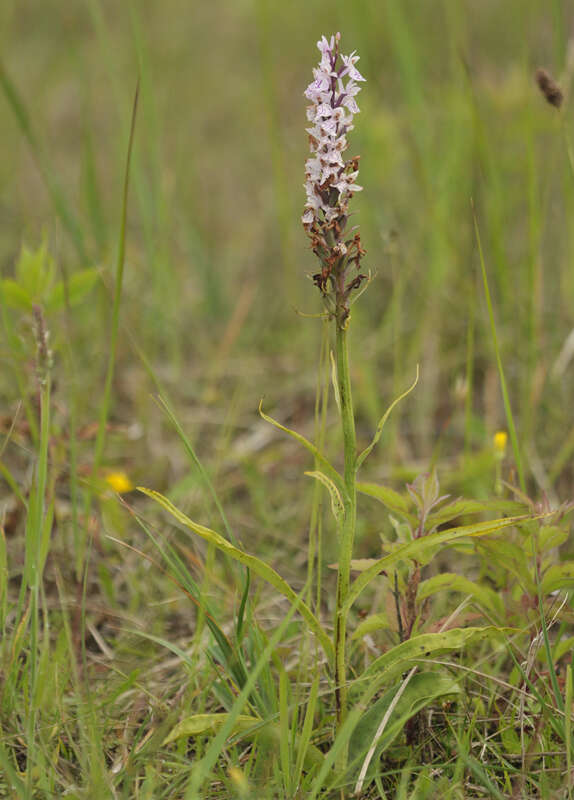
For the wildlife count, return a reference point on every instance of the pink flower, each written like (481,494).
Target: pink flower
(330,179)
(332,110)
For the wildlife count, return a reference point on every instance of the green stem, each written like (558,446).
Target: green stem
(347,529)
(37,556)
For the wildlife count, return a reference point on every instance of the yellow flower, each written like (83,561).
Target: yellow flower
(119,482)
(500,441)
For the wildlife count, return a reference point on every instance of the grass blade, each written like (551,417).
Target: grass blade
(107,395)
(503,387)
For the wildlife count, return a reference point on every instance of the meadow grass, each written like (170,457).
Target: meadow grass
(155,286)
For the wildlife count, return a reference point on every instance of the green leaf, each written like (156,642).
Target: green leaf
(559,576)
(259,567)
(394,501)
(79,286)
(512,558)
(199,724)
(551,536)
(425,645)
(511,741)
(562,647)
(449,581)
(416,549)
(35,271)
(337,506)
(422,689)
(15,296)
(370,624)
(326,466)
(244,725)
(366,452)
(458,508)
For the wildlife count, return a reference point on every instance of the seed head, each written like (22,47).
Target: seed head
(549,88)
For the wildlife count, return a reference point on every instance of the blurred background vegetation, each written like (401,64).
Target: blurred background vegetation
(217,263)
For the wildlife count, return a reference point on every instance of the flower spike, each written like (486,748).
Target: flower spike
(330,180)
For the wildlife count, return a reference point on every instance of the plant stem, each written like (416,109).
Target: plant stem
(347,529)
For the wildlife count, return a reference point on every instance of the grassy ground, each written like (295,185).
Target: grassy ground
(136,659)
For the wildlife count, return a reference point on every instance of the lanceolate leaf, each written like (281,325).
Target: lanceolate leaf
(457,508)
(416,548)
(426,645)
(243,726)
(208,723)
(259,567)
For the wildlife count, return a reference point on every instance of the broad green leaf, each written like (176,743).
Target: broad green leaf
(15,296)
(336,502)
(391,499)
(209,723)
(373,623)
(366,452)
(416,548)
(423,688)
(325,465)
(426,645)
(446,581)
(259,567)
(559,576)
(79,286)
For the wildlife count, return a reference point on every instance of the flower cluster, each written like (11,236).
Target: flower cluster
(330,180)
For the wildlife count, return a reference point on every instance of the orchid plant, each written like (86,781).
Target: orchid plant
(330,184)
